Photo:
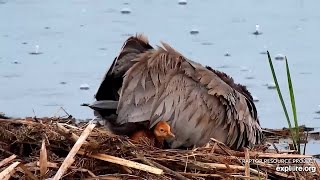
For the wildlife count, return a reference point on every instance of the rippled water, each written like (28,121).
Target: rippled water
(78,40)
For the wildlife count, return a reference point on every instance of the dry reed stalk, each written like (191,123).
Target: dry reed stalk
(7,160)
(43,161)
(37,163)
(152,163)
(87,171)
(19,121)
(216,175)
(70,157)
(317,166)
(9,171)
(66,132)
(27,172)
(247,157)
(124,162)
(274,155)
(115,177)
(233,167)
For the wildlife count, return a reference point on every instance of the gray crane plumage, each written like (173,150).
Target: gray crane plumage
(198,102)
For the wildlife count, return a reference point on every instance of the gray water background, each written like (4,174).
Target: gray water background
(80,38)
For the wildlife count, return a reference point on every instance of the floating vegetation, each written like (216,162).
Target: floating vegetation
(224,66)
(255,99)
(305,73)
(244,69)
(279,57)
(249,77)
(271,85)
(84,87)
(264,50)
(207,43)
(53,105)
(125,11)
(103,49)
(182,2)
(318,111)
(11,76)
(194,31)
(16,62)
(127,34)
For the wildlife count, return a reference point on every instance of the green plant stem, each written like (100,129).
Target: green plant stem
(282,102)
(293,104)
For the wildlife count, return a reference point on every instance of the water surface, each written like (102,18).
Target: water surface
(79,39)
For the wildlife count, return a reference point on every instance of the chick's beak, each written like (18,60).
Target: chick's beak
(171,135)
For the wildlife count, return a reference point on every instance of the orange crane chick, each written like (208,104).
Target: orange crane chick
(161,132)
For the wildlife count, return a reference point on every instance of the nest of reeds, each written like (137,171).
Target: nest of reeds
(34,148)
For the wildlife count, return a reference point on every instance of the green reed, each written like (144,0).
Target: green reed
(293,131)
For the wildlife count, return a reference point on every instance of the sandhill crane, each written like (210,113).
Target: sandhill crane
(197,101)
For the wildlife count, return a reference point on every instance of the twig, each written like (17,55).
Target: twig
(275,147)
(19,121)
(126,169)
(272,155)
(287,176)
(185,167)
(247,157)
(9,171)
(43,161)
(68,133)
(225,149)
(115,177)
(69,116)
(34,113)
(213,147)
(215,175)
(305,144)
(198,165)
(234,167)
(27,172)
(70,158)
(7,160)
(152,163)
(37,163)
(124,162)
(317,166)
(34,167)
(87,171)
(70,126)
